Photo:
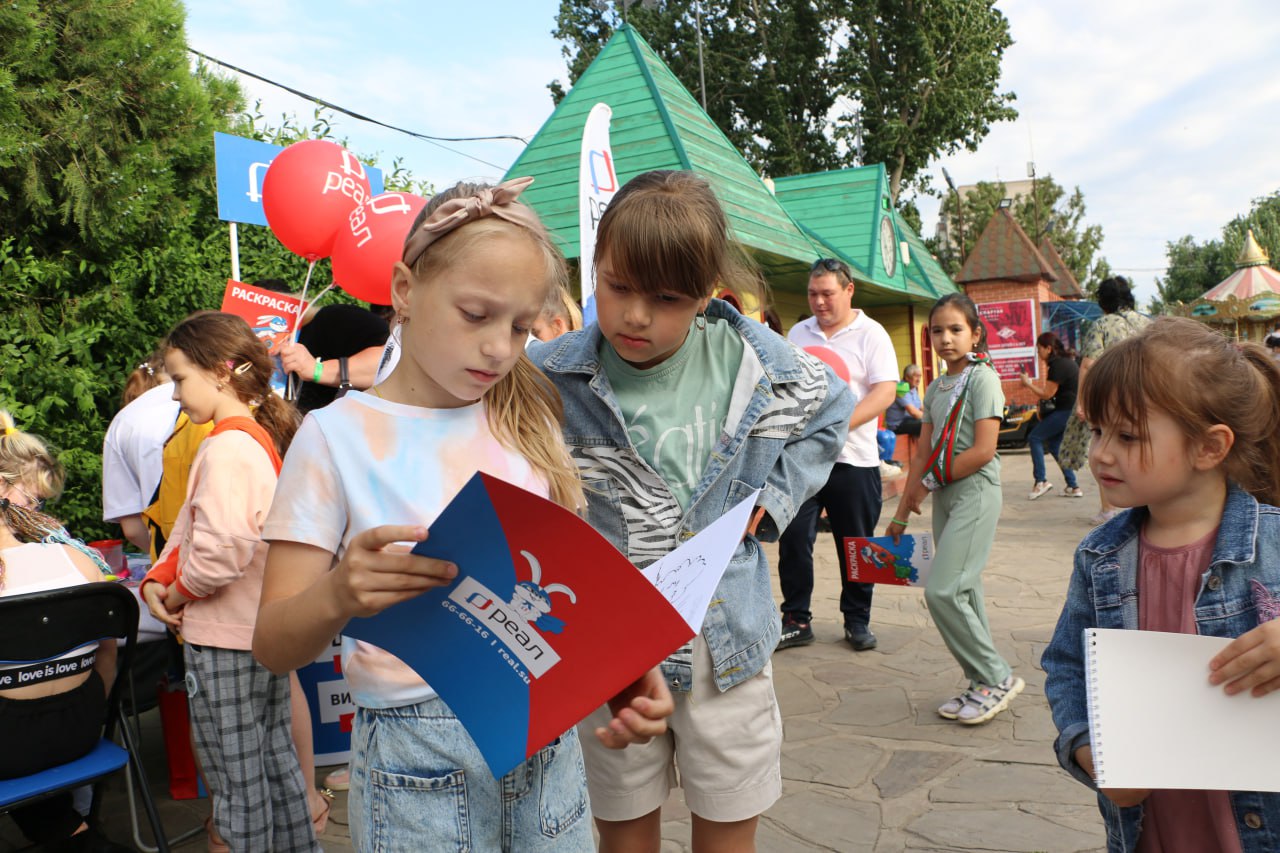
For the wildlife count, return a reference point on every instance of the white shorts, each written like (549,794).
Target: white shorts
(723,749)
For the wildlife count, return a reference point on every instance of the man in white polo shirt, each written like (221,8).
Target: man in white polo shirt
(851,496)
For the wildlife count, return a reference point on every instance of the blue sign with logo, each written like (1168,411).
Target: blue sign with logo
(242,165)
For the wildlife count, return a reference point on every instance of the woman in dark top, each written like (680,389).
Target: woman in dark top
(1061,383)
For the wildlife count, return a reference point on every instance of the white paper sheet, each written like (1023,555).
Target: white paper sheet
(1156,722)
(688,576)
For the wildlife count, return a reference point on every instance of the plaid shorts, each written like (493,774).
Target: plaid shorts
(240,724)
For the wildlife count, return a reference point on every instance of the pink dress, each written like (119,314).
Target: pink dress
(1179,820)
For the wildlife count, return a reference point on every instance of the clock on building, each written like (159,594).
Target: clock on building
(888,246)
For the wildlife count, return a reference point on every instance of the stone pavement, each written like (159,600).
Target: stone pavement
(867,764)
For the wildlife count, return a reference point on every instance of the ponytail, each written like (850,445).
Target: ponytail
(525,413)
(25,457)
(279,419)
(1254,461)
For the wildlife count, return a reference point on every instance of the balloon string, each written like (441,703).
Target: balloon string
(321,294)
(297,322)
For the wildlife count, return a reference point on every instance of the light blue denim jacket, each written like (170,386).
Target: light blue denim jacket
(787,420)
(1104,594)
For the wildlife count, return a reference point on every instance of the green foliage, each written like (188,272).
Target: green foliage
(804,87)
(108,218)
(1050,211)
(924,74)
(767,81)
(1196,267)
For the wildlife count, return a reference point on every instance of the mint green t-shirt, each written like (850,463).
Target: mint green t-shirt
(984,399)
(675,411)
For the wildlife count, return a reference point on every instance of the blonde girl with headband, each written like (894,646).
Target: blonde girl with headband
(676,408)
(366,477)
(45,721)
(208,579)
(1186,439)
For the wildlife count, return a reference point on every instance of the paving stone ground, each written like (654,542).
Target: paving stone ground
(867,764)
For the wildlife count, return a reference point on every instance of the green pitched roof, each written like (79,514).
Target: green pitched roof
(844,209)
(657,124)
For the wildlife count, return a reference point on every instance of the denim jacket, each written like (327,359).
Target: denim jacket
(1104,594)
(786,422)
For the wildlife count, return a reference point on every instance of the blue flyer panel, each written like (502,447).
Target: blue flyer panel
(880,560)
(544,623)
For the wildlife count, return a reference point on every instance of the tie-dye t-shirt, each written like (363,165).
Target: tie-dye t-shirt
(361,462)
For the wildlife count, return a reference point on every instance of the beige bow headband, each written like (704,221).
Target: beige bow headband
(500,201)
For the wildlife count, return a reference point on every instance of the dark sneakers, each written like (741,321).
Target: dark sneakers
(860,637)
(794,633)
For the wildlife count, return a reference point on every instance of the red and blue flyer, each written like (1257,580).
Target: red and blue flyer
(879,559)
(546,620)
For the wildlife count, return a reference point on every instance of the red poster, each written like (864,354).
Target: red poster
(1011,336)
(271,315)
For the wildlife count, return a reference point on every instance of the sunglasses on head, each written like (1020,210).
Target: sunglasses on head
(830,265)
(32,502)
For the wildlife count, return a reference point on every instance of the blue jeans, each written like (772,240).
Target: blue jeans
(1049,432)
(419,783)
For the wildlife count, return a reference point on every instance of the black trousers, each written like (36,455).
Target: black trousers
(36,734)
(851,498)
(909,426)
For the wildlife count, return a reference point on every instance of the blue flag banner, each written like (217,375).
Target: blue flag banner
(241,166)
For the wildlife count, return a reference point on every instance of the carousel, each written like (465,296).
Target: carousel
(1247,301)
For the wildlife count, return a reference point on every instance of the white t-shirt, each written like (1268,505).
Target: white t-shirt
(361,462)
(868,352)
(132,452)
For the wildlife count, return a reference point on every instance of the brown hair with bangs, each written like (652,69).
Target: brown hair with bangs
(665,232)
(224,345)
(523,408)
(1199,378)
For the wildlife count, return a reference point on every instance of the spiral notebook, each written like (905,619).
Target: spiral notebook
(1156,722)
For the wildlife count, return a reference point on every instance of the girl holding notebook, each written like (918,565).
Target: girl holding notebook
(1186,433)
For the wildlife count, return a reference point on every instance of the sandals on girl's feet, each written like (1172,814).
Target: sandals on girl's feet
(950,709)
(321,820)
(985,701)
(1041,488)
(1072,492)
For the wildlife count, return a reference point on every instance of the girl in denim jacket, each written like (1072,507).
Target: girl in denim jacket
(1186,432)
(676,408)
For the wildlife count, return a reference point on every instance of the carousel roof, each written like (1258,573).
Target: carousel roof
(1252,277)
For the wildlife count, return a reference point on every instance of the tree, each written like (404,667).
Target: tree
(108,221)
(767,85)
(924,75)
(801,87)
(1050,212)
(1196,267)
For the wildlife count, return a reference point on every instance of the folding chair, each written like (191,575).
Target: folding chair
(40,626)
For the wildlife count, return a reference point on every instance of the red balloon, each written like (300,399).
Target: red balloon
(370,242)
(310,189)
(832,358)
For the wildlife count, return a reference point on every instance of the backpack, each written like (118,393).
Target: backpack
(179,454)
(165,572)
